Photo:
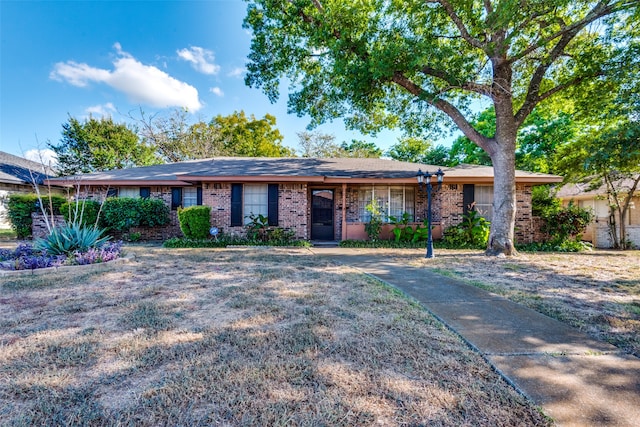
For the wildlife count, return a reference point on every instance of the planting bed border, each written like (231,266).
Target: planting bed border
(47,270)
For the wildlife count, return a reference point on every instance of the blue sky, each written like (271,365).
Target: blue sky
(61,58)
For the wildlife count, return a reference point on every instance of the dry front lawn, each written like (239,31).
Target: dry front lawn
(598,292)
(235,338)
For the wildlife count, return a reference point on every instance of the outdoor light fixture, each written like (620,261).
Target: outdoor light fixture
(424,178)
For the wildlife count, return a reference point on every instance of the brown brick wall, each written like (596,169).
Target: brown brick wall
(294,209)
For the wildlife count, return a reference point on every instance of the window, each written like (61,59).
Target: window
(189,197)
(257,199)
(483,196)
(133,192)
(185,197)
(393,201)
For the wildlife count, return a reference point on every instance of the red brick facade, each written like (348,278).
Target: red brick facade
(294,210)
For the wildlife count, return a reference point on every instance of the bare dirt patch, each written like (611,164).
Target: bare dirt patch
(597,292)
(235,337)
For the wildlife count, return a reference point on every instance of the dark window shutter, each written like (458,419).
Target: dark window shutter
(145,192)
(272,207)
(199,196)
(468,197)
(112,192)
(236,205)
(176,198)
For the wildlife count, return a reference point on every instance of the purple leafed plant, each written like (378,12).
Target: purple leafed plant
(25,257)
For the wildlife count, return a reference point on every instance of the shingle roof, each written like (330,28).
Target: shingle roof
(18,170)
(335,169)
(586,191)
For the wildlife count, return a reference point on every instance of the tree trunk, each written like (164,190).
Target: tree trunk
(501,237)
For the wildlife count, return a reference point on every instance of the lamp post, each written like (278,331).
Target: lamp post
(425,178)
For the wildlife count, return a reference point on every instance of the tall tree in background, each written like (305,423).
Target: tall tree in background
(409,63)
(250,137)
(99,145)
(410,149)
(360,149)
(176,140)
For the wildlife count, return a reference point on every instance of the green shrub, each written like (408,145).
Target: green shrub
(566,223)
(373,227)
(227,240)
(472,232)
(84,212)
(380,244)
(120,213)
(71,238)
(195,221)
(153,212)
(258,227)
(21,206)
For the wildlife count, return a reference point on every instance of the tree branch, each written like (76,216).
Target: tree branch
(479,88)
(444,106)
(459,24)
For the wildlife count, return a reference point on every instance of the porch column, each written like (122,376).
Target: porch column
(344,211)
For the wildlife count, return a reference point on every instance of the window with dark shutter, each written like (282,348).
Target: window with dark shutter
(199,196)
(112,192)
(145,192)
(468,197)
(236,205)
(176,198)
(272,207)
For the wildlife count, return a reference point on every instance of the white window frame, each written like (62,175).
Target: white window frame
(255,200)
(130,192)
(383,194)
(189,196)
(483,198)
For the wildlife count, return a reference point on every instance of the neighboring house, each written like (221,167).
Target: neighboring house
(318,199)
(596,199)
(17,175)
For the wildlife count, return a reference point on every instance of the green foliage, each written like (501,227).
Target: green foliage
(360,149)
(410,149)
(403,232)
(567,223)
(71,238)
(234,135)
(84,212)
(121,213)
(258,230)
(556,246)
(153,212)
(380,244)
(283,238)
(195,221)
(98,145)
(373,227)
(21,206)
(472,232)
(543,201)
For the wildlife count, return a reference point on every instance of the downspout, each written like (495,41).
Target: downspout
(344,211)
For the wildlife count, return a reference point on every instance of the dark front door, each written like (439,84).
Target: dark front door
(322,215)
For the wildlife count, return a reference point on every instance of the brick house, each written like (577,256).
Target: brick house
(318,199)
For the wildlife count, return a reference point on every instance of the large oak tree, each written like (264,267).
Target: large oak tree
(411,63)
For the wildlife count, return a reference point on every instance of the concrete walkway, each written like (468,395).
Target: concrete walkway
(577,381)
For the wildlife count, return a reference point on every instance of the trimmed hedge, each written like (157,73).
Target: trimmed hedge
(195,221)
(122,213)
(21,206)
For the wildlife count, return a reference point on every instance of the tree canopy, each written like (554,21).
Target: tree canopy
(234,135)
(99,145)
(413,63)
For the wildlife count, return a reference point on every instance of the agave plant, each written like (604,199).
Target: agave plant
(71,238)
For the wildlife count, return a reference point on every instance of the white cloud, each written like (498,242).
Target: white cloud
(143,84)
(45,156)
(201,59)
(104,110)
(216,91)
(237,72)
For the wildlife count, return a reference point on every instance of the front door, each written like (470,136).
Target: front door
(322,215)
